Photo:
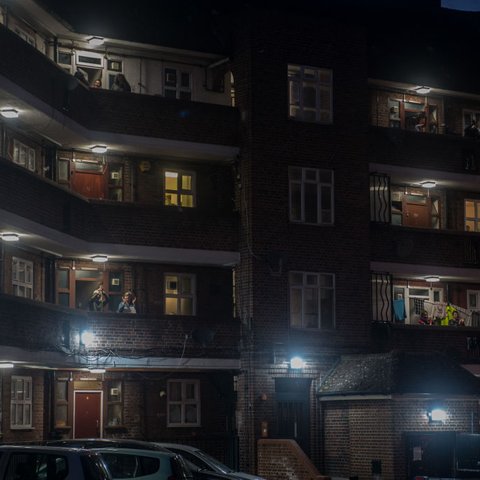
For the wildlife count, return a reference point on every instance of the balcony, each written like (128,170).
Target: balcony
(49,335)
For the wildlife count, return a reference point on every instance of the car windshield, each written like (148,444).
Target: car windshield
(213,461)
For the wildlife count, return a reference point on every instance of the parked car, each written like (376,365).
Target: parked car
(145,464)
(200,461)
(106,443)
(51,463)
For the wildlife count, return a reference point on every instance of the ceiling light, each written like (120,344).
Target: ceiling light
(428,184)
(10,237)
(99,149)
(95,41)
(422,90)
(100,258)
(432,278)
(9,113)
(296,363)
(96,370)
(6,365)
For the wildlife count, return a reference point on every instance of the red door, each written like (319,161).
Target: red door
(87,422)
(90,185)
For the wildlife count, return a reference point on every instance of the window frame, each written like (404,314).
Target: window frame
(292,286)
(29,153)
(476,219)
(179,191)
(296,82)
(178,88)
(24,403)
(180,295)
(115,396)
(28,286)
(305,181)
(183,402)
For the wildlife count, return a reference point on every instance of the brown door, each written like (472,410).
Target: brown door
(90,185)
(417,211)
(87,422)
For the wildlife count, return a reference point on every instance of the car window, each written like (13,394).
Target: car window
(94,468)
(36,466)
(198,462)
(131,466)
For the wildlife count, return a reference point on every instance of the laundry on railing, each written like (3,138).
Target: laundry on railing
(446,314)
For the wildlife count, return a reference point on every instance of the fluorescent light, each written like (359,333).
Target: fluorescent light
(428,184)
(6,365)
(100,258)
(95,41)
(432,278)
(99,148)
(422,90)
(96,370)
(10,237)
(9,113)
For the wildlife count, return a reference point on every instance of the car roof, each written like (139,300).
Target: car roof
(180,446)
(107,443)
(135,451)
(43,448)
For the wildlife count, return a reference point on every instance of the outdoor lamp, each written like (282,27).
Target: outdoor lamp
(296,363)
(99,148)
(432,278)
(428,184)
(99,258)
(96,370)
(9,112)
(422,90)
(87,338)
(436,415)
(10,237)
(6,365)
(95,41)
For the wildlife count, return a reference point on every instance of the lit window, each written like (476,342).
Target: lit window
(23,155)
(21,403)
(22,278)
(312,298)
(177,84)
(310,94)
(183,403)
(179,188)
(472,215)
(311,195)
(179,294)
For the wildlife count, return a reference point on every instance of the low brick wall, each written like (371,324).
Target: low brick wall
(283,459)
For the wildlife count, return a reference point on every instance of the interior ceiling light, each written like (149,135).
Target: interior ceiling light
(100,258)
(99,149)
(432,278)
(95,41)
(422,90)
(428,184)
(9,112)
(10,237)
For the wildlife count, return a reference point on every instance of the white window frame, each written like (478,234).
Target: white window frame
(21,404)
(303,287)
(27,283)
(476,307)
(178,88)
(184,402)
(306,178)
(321,80)
(179,191)
(476,218)
(87,54)
(23,155)
(429,295)
(178,296)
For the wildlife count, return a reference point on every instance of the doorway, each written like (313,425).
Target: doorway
(293,410)
(88,414)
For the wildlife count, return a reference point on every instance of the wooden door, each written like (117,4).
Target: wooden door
(89,177)
(87,415)
(417,211)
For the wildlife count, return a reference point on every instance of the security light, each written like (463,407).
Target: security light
(428,184)
(9,113)
(437,415)
(95,41)
(99,148)
(100,258)
(296,363)
(87,338)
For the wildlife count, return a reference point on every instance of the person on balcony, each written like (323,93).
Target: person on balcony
(127,305)
(99,299)
(97,83)
(120,84)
